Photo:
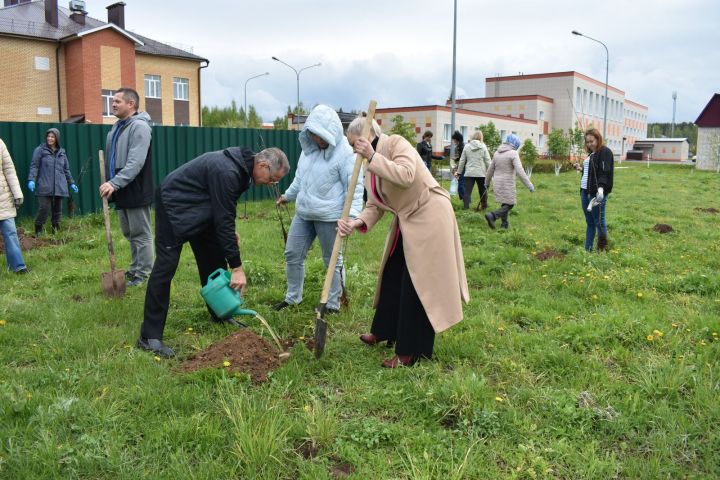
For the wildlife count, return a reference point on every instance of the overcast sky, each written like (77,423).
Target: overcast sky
(399,52)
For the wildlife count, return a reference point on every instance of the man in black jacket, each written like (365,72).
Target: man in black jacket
(424,148)
(197,204)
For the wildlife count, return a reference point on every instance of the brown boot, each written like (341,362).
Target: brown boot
(602,243)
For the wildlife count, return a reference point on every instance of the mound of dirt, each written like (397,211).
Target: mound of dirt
(712,210)
(243,350)
(28,242)
(662,228)
(549,254)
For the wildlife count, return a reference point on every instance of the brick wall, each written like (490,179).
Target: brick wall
(168,68)
(23,88)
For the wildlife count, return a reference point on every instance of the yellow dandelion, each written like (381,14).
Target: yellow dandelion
(226,363)
(544,276)
(658,333)
(650,338)
(702,342)
(2,323)
(639,295)
(606,277)
(301,338)
(675,325)
(490,345)
(499,399)
(594,297)
(537,242)
(29,396)
(156,358)
(306,408)
(558,317)
(588,274)
(501,329)
(190,329)
(714,334)
(534,253)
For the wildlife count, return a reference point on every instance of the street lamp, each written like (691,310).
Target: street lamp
(452,91)
(246,82)
(297,75)
(607,67)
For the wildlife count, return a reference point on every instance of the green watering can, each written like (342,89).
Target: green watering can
(222,299)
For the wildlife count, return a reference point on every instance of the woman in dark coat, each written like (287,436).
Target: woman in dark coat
(599,186)
(49,178)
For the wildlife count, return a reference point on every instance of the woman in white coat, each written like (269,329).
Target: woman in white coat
(10,197)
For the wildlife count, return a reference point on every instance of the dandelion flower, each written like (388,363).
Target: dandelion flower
(226,363)
(306,408)
(702,342)
(714,334)
(658,333)
(501,329)
(545,275)
(594,297)
(606,277)
(2,323)
(675,325)
(499,399)
(190,329)
(156,358)
(639,295)
(650,338)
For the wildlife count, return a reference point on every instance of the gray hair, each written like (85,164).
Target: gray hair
(130,95)
(276,158)
(356,126)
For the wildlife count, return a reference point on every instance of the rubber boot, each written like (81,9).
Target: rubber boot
(602,243)
(38,230)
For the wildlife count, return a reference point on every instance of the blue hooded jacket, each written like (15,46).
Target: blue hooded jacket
(50,170)
(322,176)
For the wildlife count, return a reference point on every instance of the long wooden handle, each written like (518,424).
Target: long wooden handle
(359,159)
(106,213)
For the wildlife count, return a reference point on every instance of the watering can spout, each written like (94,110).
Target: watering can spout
(244,311)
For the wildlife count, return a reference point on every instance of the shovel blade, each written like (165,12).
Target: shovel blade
(113,283)
(320,334)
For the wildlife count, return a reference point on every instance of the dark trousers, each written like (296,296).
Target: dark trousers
(461,186)
(502,213)
(45,205)
(208,256)
(400,316)
(469,185)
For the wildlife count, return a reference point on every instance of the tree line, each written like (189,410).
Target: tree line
(682,130)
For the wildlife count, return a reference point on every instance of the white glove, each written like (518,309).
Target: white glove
(600,195)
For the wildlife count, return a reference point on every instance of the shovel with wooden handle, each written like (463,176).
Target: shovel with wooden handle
(113,282)
(320,323)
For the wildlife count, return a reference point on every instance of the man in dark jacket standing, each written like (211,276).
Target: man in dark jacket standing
(424,148)
(197,204)
(130,182)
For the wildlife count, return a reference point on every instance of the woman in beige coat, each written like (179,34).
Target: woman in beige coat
(422,283)
(10,197)
(504,166)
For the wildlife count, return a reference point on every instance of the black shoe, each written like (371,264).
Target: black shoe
(329,311)
(229,321)
(155,346)
(505,225)
(23,271)
(38,230)
(129,276)
(279,306)
(136,281)
(490,219)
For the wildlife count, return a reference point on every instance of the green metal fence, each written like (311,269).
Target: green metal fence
(172,147)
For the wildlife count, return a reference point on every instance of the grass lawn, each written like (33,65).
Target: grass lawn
(590,366)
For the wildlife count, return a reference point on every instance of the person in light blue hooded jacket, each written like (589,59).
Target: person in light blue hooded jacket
(318,190)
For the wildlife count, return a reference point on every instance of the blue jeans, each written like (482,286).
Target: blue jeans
(595,219)
(300,238)
(12,245)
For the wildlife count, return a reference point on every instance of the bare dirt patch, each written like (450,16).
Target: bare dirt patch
(243,350)
(711,210)
(28,242)
(549,254)
(340,469)
(662,228)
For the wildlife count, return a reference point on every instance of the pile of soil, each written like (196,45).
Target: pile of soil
(246,352)
(549,254)
(662,228)
(27,242)
(714,211)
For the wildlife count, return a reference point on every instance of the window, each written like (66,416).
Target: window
(446,132)
(42,63)
(463,131)
(152,86)
(107,100)
(502,135)
(542,116)
(541,140)
(180,88)
(578,99)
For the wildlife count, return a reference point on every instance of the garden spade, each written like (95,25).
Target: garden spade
(113,282)
(320,323)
